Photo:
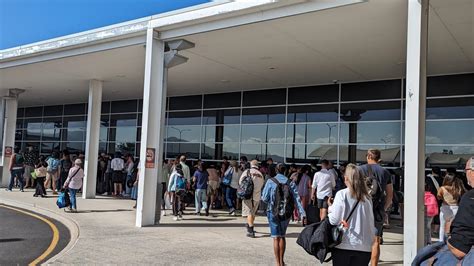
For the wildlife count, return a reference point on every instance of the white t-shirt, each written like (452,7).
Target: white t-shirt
(324,183)
(361,231)
(117,164)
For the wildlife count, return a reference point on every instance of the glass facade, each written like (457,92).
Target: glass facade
(338,122)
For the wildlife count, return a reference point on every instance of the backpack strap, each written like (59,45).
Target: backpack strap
(275,181)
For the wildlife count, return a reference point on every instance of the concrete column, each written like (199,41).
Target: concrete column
(417,38)
(151,149)
(11,106)
(92,139)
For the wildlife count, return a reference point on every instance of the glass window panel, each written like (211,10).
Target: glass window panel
(129,106)
(140,105)
(314,94)
(190,149)
(263,133)
(75,109)
(373,90)
(105,121)
(20,123)
(208,151)
(374,111)
(451,85)
(226,116)
(20,112)
(102,147)
(19,135)
(390,154)
(263,115)
(216,151)
(51,134)
(123,134)
(35,145)
(450,108)
(450,132)
(105,108)
(264,97)
(103,135)
(446,156)
(223,133)
(139,134)
(313,113)
(303,153)
(137,150)
(372,133)
(123,120)
(74,134)
(185,102)
(52,122)
(76,147)
(33,129)
(48,147)
(140,119)
(263,151)
(125,147)
(75,122)
(55,110)
(34,112)
(222,100)
(184,118)
(312,133)
(183,133)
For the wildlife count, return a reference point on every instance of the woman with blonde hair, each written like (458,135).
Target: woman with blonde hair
(352,207)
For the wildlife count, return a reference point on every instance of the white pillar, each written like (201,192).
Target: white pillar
(11,106)
(154,103)
(417,38)
(92,139)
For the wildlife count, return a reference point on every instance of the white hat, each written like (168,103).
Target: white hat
(78,161)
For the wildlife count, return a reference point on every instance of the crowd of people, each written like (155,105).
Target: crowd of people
(359,199)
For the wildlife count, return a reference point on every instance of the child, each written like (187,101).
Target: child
(431,210)
(40,172)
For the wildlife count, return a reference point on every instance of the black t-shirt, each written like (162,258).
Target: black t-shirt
(382,174)
(462,228)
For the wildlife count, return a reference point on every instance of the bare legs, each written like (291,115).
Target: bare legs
(279,247)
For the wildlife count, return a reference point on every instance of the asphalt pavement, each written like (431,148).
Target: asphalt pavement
(25,236)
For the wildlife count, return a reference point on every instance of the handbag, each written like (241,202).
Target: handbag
(338,231)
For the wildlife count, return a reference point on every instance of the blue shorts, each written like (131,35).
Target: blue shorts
(277,227)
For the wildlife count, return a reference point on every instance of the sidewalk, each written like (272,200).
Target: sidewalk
(107,235)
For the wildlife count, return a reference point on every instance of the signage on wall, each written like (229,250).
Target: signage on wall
(8,151)
(150,158)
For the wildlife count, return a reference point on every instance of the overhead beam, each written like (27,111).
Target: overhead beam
(85,48)
(217,22)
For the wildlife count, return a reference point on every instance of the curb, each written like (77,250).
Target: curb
(69,223)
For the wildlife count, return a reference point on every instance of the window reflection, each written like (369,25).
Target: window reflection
(184,118)
(53,134)
(75,122)
(371,133)
(74,134)
(48,147)
(221,133)
(183,133)
(263,115)
(312,133)
(450,108)
(448,155)
(375,111)
(126,120)
(390,154)
(227,116)
(306,152)
(123,134)
(263,151)
(190,149)
(76,147)
(263,133)
(450,132)
(313,113)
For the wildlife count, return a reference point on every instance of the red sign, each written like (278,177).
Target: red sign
(8,151)
(150,158)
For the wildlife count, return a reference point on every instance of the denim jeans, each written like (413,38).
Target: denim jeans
(18,173)
(428,221)
(127,189)
(230,195)
(72,196)
(201,199)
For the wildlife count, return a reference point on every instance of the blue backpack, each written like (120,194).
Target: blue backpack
(180,184)
(227,179)
(63,200)
(53,165)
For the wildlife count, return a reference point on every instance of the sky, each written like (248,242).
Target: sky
(28,21)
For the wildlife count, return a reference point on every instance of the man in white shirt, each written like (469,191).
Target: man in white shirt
(323,185)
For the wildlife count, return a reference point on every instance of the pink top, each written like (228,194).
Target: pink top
(74,179)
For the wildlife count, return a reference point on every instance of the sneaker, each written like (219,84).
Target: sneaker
(21,190)
(175,218)
(8,190)
(232,212)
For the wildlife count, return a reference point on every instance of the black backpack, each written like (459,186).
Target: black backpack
(375,188)
(284,204)
(245,190)
(133,177)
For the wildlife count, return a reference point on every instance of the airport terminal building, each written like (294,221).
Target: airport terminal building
(295,80)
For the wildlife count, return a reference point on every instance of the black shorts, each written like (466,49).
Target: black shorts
(117,177)
(379,214)
(323,203)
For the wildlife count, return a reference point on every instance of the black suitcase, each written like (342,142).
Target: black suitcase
(312,213)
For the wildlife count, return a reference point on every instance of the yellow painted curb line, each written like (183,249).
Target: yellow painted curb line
(54,241)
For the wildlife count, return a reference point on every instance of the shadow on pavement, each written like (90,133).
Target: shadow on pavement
(116,210)
(5,240)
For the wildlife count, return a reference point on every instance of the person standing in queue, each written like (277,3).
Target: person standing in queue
(250,206)
(74,183)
